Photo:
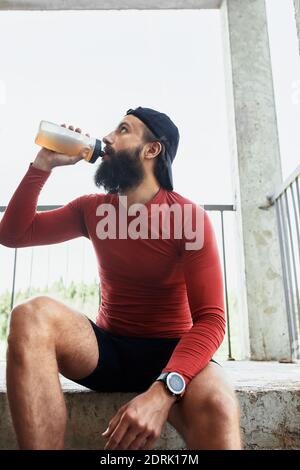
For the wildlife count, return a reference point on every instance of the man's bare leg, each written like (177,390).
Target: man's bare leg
(208,416)
(46,337)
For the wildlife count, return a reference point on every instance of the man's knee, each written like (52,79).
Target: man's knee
(30,320)
(222,407)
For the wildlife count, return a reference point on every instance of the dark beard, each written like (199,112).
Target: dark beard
(121,171)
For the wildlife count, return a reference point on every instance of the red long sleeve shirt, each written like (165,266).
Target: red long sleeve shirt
(149,287)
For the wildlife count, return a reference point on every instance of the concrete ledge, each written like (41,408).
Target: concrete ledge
(108,4)
(269,395)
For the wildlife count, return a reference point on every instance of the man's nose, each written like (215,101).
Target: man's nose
(108,139)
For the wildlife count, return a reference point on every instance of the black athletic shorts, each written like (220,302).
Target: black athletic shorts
(127,363)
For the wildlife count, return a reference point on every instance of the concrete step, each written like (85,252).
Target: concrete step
(269,395)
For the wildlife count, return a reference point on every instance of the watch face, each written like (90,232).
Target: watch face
(176,382)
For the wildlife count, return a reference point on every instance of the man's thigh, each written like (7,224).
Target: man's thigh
(76,346)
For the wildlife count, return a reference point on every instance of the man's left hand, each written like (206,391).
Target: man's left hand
(138,423)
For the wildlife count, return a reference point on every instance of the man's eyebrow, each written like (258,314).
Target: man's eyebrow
(124,123)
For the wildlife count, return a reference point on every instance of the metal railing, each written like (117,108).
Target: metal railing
(219,208)
(287,204)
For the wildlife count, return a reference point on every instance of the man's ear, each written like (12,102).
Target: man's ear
(152,149)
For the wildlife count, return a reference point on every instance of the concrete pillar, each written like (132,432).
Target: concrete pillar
(256,172)
(297,17)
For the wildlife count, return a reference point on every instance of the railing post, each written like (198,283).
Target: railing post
(230,358)
(14,280)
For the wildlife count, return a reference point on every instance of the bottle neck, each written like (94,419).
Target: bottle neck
(97,150)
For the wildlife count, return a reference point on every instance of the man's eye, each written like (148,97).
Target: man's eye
(123,127)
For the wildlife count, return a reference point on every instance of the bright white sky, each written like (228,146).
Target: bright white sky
(88,68)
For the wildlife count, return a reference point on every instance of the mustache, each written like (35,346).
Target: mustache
(108,150)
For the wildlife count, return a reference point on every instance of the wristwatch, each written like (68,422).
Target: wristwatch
(174,382)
